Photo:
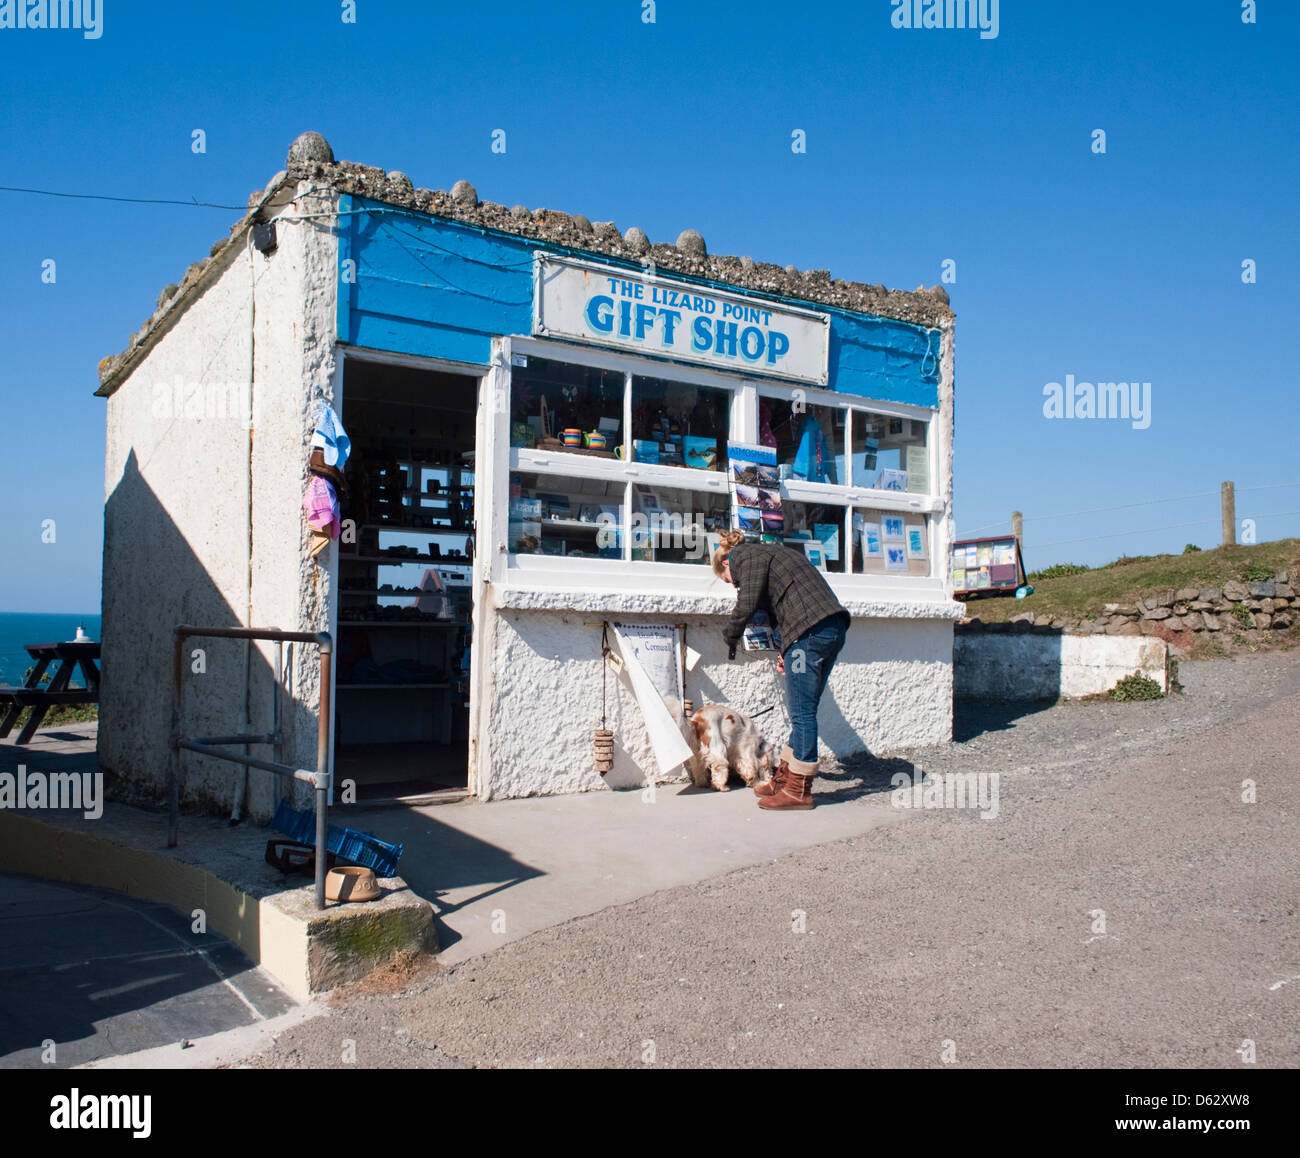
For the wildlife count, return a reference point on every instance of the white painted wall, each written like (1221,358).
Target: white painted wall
(1028,666)
(202,516)
(891,688)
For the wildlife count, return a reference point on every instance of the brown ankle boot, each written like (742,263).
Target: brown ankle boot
(794,794)
(767,787)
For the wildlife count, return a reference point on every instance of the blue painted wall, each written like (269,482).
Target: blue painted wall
(442,289)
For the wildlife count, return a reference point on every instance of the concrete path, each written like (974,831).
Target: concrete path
(101,975)
(500,871)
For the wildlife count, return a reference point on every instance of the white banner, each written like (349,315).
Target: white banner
(654,665)
(652,315)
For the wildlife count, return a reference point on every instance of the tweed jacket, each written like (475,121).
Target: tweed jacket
(782,582)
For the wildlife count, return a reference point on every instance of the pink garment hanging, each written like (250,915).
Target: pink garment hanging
(322,507)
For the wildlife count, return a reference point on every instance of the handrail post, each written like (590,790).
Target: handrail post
(323,762)
(174,761)
(322,779)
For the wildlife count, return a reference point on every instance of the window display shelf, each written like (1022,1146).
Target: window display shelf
(400,623)
(442,525)
(393,560)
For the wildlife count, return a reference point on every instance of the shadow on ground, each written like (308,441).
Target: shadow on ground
(971,718)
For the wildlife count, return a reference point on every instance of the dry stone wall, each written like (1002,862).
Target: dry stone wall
(1261,605)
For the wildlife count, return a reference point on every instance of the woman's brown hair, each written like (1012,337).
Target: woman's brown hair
(729,539)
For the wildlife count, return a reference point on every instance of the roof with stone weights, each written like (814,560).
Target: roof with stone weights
(311,160)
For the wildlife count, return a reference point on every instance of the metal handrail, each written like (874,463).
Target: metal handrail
(211,745)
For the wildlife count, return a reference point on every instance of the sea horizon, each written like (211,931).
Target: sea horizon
(20,629)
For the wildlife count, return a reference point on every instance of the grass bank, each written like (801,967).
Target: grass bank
(1131,578)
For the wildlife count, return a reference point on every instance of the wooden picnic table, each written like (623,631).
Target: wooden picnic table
(70,656)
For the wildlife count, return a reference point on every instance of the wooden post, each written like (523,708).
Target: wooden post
(1017,528)
(1229,515)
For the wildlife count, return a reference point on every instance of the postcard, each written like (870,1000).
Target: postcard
(893,527)
(895,557)
(700,453)
(892,480)
(816,556)
(871,547)
(916,542)
(917,462)
(829,536)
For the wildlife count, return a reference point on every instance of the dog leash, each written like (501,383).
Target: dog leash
(755,715)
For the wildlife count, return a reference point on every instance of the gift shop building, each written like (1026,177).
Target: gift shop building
(538,423)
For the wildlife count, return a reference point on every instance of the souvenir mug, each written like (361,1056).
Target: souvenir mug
(573,437)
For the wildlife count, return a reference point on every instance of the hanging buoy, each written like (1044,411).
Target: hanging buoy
(603,741)
(688,708)
(603,750)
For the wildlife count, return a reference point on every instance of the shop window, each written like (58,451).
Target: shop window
(574,517)
(564,406)
(670,525)
(890,543)
(890,453)
(821,523)
(809,440)
(677,424)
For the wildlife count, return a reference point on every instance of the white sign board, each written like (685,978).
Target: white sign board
(614,307)
(654,664)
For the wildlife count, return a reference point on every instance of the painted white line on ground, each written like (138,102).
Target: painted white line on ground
(202,953)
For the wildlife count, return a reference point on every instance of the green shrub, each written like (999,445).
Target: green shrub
(1058,571)
(1257,573)
(1190,549)
(1136,687)
(1241,613)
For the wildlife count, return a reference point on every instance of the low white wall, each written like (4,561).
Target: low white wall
(1029,666)
(891,688)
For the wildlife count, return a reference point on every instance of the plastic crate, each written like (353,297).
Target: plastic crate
(358,848)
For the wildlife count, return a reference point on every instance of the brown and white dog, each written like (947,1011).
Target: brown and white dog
(724,740)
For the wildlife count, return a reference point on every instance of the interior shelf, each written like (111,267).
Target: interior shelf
(399,623)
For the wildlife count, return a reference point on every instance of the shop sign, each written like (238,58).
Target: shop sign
(652,315)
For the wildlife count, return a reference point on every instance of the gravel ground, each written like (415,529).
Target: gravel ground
(946,940)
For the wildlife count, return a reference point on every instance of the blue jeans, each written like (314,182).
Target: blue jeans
(808,663)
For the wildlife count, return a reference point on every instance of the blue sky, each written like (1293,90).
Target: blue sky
(921,146)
